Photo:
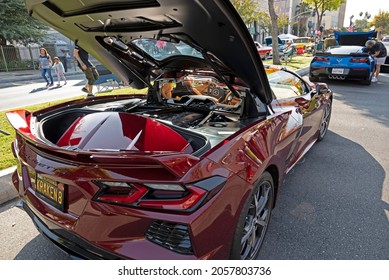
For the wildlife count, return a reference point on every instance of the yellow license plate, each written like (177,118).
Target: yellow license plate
(51,191)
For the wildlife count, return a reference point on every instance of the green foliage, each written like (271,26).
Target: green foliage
(17,25)
(247,9)
(381,22)
(320,6)
(265,22)
(361,25)
(250,12)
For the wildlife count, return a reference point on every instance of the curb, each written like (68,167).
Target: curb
(303,71)
(7,190)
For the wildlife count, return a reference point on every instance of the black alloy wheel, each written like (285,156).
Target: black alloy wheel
(325,120)
(254,219)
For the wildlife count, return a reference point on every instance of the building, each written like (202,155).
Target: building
(335,19)
(331,20)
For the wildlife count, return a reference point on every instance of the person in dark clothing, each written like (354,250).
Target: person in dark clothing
(378,51)
(83,62)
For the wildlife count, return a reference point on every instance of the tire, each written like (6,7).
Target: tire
(325,121)
(366,82)
(313,79)
(253,220)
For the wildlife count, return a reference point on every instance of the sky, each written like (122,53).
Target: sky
(354,7)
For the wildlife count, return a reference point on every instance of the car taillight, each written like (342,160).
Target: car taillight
(171,201)
(359,60)
(121,193)
(166,196)
(321,59)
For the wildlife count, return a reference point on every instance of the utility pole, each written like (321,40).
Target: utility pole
(290,16)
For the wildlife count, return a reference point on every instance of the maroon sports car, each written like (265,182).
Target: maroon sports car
(188,170)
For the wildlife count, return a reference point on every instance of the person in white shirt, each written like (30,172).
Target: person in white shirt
(59,70)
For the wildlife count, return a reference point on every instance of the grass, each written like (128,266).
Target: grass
(7,159)
(296,62)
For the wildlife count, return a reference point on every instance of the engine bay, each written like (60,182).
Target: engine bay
(200,109)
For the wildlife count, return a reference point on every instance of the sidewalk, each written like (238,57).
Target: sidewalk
(18,78)
(7,190)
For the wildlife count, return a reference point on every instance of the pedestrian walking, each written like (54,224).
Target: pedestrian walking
(378,51)
(82,58)
(59,70)
(45,63)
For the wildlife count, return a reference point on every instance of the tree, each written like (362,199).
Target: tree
(320,6)
(274,32)
(265,22)
(361,25)
(17,25)
(247,9)
(381,22)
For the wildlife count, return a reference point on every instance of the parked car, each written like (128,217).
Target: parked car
(269,42)
(304,43)
(264,51)
(188,170)
(344,61)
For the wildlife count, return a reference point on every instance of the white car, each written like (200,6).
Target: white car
(264,51)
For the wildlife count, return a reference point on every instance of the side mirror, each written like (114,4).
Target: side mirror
(321,88)
(302,102)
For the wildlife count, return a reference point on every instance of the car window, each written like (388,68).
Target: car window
(286,85)
(302,40)
(161,50)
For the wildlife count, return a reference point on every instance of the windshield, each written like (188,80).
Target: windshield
(302,40)
(160,50)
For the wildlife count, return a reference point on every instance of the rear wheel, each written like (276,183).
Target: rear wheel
(325,121)
(253,220)
(367,81)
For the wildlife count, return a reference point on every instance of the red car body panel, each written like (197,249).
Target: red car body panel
(176,173)
(241,159)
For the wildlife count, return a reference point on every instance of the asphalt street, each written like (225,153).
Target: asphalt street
(333,205)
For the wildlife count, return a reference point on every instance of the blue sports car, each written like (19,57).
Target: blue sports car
(346,60)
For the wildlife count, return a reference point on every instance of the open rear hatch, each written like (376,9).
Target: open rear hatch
(354,38)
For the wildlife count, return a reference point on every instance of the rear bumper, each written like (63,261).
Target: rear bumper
(73,245)
(349,73)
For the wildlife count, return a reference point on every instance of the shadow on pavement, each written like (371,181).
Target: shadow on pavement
(372,100)
(55,87)
(38,89)
(321,212)
(324,213)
